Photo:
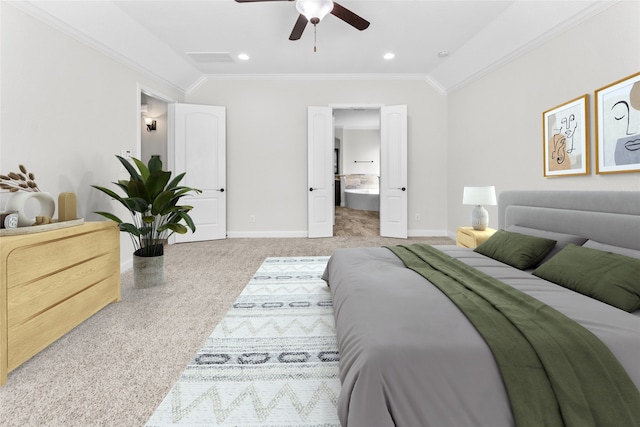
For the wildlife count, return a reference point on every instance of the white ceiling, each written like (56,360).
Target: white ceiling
(155,36)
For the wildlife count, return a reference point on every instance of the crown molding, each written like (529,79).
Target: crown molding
(568,24)
(183,87)
(81,37)
(316,77)
(436,85)
(196,84)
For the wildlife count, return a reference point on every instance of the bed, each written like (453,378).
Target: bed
(409,356)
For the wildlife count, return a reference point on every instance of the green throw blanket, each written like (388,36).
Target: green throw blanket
(556,372)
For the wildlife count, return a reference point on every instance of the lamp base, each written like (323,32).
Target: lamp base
(479,218)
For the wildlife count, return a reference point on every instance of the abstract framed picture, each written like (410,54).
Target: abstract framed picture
(565,139)
(618,126)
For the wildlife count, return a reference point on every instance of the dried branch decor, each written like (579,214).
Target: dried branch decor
(22,181)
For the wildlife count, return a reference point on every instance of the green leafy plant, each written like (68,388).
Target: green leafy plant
(152,200)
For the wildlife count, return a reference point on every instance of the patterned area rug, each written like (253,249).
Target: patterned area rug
(272,360)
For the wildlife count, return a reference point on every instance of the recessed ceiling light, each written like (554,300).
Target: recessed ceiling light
(443,53)
(243,57)
(389,55)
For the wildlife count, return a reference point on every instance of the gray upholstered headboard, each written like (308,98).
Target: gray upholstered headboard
(611,217)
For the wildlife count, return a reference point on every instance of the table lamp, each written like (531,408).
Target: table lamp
(479,196)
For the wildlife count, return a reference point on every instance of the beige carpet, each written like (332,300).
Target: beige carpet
(115,368)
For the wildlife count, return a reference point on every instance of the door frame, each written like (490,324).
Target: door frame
(366,107)
(143,89)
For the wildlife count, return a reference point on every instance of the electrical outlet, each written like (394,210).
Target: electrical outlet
(252,218)
(417,217)
(126,154)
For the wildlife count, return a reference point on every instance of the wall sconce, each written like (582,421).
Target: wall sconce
(151,124)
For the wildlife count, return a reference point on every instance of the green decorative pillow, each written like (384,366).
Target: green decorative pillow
(561,239)
(517,250)
(605,276)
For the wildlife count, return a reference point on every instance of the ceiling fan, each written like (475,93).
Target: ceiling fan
(314,10)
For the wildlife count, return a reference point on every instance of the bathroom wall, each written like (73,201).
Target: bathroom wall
(154,142)
(361,151)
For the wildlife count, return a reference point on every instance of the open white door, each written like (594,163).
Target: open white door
(198,144)
(393,171)
(320,171)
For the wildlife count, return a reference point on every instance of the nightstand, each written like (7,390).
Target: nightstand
(467,237)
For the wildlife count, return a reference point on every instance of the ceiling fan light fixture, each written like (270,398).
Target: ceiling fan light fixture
(314,10)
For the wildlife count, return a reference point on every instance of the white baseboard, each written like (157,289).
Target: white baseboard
(428,233)
(265,234)
(127,265)
(303,233)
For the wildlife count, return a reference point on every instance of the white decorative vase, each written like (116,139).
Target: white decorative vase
(17,202)
(148,271)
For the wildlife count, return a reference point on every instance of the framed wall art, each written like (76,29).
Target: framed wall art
(565,145)
(618,126)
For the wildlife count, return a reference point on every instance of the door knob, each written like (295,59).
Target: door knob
(311,188)
(403,188)
(221,190)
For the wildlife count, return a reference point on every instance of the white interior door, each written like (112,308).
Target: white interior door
(320,171)
(198,144)
(393,171)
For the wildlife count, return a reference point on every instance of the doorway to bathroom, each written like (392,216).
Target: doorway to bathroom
(393,171)
(153,130)
(357,171)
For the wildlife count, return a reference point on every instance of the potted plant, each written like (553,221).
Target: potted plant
(152,200)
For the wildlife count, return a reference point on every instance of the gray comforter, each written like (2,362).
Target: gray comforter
(409,357)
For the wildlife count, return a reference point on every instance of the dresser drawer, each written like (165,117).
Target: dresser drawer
(51,282)
(467,237)
(465,240)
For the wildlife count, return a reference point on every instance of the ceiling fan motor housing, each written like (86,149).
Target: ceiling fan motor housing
(314,10)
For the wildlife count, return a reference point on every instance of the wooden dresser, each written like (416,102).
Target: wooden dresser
(52,281)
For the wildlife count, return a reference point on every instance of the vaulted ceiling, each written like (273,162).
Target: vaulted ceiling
(185,42)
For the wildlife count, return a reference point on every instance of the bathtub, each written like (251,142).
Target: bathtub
(362,199)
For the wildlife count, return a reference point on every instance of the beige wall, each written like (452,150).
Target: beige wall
(66,111)
(267,147)
(495,124)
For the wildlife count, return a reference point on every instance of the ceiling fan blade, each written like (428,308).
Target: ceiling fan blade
(256,1)
(298,28)
(349,17)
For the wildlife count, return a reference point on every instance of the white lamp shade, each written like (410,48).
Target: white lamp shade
(314,8)
(479,196)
